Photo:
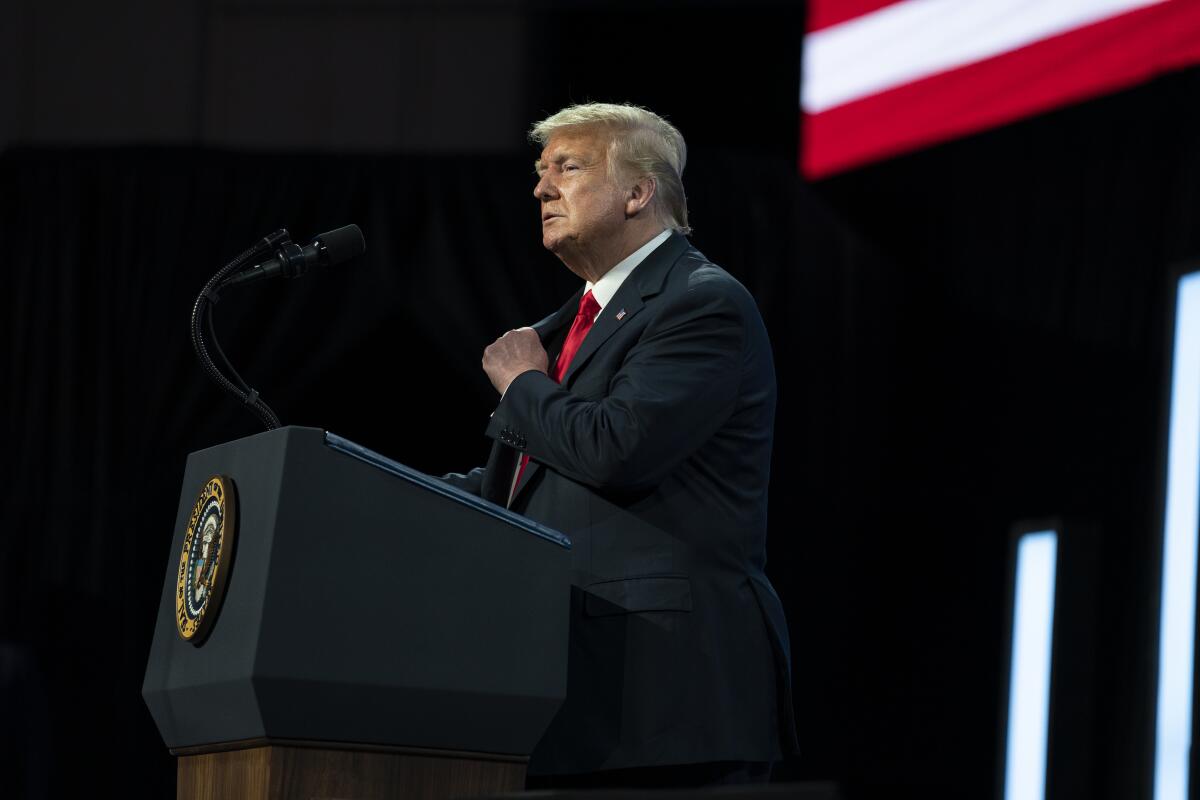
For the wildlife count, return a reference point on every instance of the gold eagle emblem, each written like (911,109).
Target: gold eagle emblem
(205,560)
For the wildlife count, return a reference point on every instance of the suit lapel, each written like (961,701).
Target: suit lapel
(647,280)
(548,327)
(626,302)
(605,326)
(502,461)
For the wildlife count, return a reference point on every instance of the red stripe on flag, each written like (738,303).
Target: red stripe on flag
(827,13)
(1088,61)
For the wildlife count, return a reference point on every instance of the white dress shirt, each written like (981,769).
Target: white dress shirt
(604,289)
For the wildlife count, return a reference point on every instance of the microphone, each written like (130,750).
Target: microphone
(291,260)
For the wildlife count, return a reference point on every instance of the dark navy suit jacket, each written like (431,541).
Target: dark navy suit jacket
(653,455)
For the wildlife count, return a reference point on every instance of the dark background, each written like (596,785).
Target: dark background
(965,337)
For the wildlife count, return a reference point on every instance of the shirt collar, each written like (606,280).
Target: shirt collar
(604,289)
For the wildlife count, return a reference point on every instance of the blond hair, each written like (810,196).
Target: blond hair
(641,144)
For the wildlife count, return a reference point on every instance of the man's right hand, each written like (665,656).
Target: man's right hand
(513,353)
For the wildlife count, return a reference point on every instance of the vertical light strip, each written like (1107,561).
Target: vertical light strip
(1176,629)
(1029,679)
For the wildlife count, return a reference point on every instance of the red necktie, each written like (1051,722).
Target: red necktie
(584,319)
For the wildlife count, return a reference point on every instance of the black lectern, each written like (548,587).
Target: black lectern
(381,633)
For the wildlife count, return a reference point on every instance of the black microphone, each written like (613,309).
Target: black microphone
(291,260)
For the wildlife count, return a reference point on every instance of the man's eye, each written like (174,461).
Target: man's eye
(570,167)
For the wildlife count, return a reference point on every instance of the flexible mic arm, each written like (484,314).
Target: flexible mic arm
(202,319)
(290,260)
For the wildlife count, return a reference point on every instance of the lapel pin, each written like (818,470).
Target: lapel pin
(621,314)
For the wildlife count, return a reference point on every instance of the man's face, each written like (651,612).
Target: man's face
(581,207)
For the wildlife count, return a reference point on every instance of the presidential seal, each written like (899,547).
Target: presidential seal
(206,558)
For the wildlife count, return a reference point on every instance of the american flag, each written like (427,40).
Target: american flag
(883,77)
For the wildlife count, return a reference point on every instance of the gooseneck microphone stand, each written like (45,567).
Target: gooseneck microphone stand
(202,322)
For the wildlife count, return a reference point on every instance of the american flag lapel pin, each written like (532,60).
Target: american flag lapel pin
(621,315)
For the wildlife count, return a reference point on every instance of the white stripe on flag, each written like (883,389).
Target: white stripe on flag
(914,39)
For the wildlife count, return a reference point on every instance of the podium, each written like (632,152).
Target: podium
(380,633)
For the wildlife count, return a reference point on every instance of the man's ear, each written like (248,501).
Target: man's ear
(638,198)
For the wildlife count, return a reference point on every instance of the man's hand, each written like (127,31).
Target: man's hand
(513,353)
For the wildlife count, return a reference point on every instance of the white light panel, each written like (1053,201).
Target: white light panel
(1176,632)
(1029,677)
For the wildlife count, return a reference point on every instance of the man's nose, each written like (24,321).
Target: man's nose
(545,189)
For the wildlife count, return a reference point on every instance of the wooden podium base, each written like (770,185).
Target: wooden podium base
(264,769)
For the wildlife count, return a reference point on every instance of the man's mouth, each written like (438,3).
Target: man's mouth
(546,217)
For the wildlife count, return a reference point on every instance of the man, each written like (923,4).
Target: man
(638,420)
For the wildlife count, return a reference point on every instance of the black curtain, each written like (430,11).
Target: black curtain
(1039,259)
(103,397)
(975,336)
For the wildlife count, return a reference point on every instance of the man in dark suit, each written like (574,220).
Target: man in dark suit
(646,437)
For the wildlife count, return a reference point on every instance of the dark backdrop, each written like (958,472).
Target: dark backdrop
(106,398)
(964,337)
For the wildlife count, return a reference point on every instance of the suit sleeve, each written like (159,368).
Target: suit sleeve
(678,384)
